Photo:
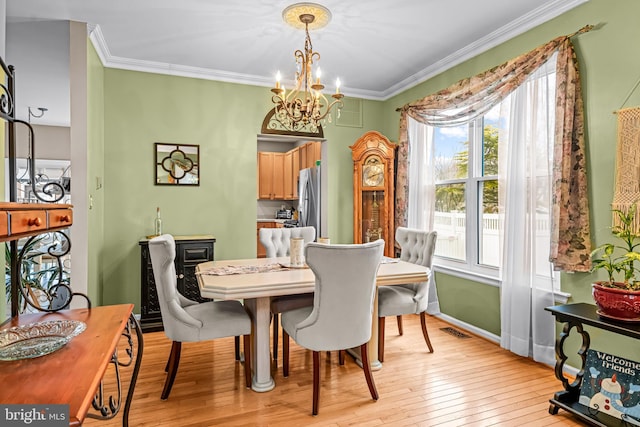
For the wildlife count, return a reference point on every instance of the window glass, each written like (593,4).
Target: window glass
(490,224)
(450,221)
(451,147)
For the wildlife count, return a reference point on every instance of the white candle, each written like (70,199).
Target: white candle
(296,252)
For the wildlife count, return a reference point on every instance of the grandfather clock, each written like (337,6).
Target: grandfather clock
(373,183)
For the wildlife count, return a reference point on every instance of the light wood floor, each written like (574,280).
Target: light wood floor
(465,382)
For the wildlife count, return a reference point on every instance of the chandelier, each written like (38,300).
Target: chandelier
(305,106)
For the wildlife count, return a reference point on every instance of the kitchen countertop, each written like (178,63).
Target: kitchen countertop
(281,221)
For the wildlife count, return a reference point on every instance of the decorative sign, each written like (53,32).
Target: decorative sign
(611,385)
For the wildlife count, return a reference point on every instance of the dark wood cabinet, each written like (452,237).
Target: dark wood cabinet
(190,251)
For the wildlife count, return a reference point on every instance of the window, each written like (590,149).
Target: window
(465,165)
(466,193)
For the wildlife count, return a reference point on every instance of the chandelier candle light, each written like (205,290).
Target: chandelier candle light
(305,106)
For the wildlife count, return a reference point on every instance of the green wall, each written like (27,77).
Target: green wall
(609,71)
(224,119)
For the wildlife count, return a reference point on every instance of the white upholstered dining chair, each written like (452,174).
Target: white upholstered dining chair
(342,310)
(185,320)
(276,242)
(417,246)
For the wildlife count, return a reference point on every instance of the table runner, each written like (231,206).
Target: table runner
(242,269)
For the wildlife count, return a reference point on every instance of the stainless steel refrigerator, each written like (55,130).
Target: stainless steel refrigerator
(309,198)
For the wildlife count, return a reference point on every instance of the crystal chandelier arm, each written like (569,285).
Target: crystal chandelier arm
(328,110)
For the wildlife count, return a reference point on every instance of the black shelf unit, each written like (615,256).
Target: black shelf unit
(190,251)
(576,316)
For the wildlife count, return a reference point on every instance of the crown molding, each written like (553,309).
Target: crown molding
(519,26)
(526,22)
(99,43)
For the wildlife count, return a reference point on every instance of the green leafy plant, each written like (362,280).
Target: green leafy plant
(619,260)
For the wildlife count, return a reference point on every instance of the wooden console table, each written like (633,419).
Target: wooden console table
(575,316)
(72,374)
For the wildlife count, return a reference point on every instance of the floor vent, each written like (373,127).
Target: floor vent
(456,333)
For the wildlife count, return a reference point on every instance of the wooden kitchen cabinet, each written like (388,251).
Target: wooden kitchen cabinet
(313,152)
(278,173)
(262,252)
(270,175)
(278,176)
(295,164)
(288,175)
(265,174)
(309,153)
(190,251)
(303,156)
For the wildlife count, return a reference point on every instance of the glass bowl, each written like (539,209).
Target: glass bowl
(37,339)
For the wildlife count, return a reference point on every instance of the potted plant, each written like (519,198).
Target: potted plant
(619,296)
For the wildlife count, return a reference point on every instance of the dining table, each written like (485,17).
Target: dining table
(256,280)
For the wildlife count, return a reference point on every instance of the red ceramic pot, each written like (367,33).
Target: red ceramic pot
(617,303)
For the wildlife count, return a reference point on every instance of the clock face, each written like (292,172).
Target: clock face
(373,173)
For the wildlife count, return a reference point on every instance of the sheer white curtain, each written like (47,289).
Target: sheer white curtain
(524,181)
(422,191)
(525,176)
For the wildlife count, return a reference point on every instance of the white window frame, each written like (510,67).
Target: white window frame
(471,268)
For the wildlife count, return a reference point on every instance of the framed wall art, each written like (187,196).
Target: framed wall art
(177,164)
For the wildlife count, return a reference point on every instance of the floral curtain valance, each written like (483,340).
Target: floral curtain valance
(472,97)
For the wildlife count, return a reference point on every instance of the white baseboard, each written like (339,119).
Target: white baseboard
(468,327)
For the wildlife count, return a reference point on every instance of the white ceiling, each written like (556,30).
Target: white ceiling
(377,48)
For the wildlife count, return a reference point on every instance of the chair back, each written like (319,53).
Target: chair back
(277,240)
(178,324)
(343,298)
(417,246)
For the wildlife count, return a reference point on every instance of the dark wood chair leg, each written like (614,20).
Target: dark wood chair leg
(423,322)
(341,357)
(276,326)
(381,339)
(285,353)
(247,360)
(400,331)
(237,346)
(174,360)
(366,366)
(316,381)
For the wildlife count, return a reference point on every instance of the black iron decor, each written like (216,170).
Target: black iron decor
(51,192)
(46,289)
